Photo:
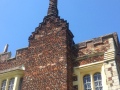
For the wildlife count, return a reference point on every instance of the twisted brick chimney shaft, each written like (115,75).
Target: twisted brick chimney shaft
(52,10)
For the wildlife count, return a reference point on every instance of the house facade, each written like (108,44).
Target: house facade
(52,61)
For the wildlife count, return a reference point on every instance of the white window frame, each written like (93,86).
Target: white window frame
(16,73)
(90,69)
(98,80)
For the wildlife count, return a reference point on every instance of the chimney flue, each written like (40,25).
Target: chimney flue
(5,48)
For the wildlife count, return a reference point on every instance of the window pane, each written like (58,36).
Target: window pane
(3,85)
(87,82)
(98,81)
(20,84)
(11,84)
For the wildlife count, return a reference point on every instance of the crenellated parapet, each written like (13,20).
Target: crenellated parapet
(97,49)
(98,55)
(5,56)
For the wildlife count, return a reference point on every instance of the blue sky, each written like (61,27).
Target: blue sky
(87,19)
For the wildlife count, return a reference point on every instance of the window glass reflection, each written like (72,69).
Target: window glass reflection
(98,81)
(3,85)
(87,82)
(11,84)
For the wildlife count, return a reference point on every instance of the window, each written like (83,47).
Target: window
(75,87)
(20,84)
(3,85)
(11,79)
(97,81)
(87,82)
(90,77)
(11,84)
(97,85)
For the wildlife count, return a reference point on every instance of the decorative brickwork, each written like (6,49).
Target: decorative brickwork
(51,52)
(48,59)
(89,60)
(90,51)
(52,61)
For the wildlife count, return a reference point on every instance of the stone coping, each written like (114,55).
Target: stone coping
(13,69)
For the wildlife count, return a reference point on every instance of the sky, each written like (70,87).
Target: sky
(87,19)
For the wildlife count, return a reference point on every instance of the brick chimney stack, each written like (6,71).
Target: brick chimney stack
(50,53)
(52,10)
